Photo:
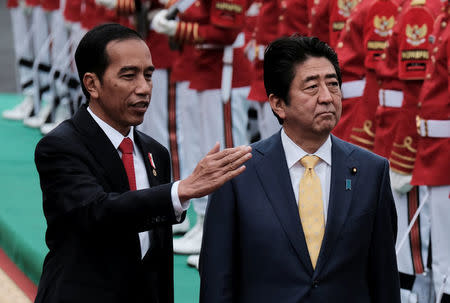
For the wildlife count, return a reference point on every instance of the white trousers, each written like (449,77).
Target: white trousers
(422,289)
(439,201)
(201,125)
(23,46)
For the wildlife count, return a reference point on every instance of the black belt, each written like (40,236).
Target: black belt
(26,62)
(406,281)
(445,298)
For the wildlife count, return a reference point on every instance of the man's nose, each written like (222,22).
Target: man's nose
(324,94)
(144,86)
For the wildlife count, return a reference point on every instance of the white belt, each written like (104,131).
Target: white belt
(353,89)
(390,98)
(227,70)
(433,128)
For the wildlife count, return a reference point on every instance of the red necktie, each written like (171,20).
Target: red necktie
(126,147)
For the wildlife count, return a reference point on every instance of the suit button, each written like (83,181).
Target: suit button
(315,284)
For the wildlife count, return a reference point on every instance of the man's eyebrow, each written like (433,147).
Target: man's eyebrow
(134,69)
(311,78)
(128,69)
(329,76)
(315,77)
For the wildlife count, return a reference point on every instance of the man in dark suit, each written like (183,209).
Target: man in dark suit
(287,230)
(107,195)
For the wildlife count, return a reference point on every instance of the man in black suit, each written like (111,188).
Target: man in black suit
(312,218)
(107,195)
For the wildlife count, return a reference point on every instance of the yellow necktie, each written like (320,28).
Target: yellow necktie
(310,207)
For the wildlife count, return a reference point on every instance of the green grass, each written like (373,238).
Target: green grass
(22,223)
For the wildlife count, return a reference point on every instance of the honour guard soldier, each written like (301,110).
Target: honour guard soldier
(351,52)
(432,165)
(265,31)
(405,68)
(23,48)
(378,25)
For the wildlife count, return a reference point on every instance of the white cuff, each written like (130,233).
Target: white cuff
(178,206)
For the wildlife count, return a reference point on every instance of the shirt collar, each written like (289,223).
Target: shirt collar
(113,135)
(294,152)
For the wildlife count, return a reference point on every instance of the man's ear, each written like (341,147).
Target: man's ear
(278,105)
(92,84)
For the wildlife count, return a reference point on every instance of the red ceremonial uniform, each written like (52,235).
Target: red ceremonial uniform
(12,3)
(275,19)
(391,90)
(293,17)
(212,25)
(319,17)
(50,5)
(340,10)
(351,54)
(378,25)
(432,164)
(162,56)
(414,32)
(72,10)
(266,30)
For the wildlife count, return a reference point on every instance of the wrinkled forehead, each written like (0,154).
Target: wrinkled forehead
(315,67)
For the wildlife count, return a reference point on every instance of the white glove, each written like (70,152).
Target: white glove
(111,4)
(400,183)
(161,25)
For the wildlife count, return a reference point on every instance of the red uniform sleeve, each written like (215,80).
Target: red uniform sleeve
(212,22)
(72,10)
(319,17)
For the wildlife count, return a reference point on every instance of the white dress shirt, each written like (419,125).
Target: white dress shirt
(294,153)
(141,174)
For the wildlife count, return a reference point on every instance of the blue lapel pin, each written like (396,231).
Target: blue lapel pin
(348,184)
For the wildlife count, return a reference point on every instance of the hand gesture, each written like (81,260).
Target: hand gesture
(216,168)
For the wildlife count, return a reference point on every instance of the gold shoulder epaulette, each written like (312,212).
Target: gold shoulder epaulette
(418,2)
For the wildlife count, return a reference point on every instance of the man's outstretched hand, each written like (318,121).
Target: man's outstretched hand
(216,168)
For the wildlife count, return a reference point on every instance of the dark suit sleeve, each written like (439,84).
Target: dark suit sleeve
(217,257)
(76,192)
(383,274)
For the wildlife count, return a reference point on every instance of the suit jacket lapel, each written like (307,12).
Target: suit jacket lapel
(340,197)
(102,149)
(146,151)
(274,177)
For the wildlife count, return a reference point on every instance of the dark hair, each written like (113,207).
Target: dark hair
(283,55)
(91,55)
